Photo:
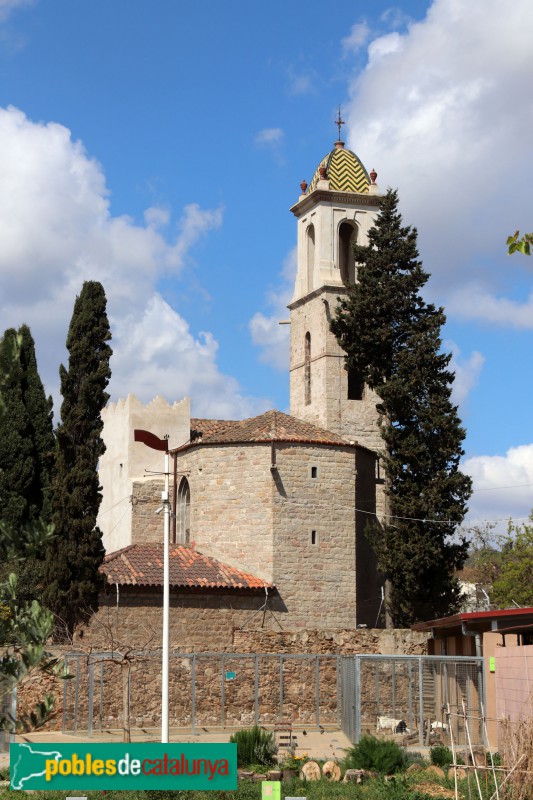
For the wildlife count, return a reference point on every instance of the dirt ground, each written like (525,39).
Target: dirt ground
(321,744)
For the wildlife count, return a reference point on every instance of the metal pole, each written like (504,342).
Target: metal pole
(256,689)
(166,605)
(90,701)
(64,714)
(317,690)
(223,695)
(421,701)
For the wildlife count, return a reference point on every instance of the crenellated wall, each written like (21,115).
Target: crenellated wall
(125,460)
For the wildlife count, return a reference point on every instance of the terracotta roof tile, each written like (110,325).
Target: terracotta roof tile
(142,565)
(267,427)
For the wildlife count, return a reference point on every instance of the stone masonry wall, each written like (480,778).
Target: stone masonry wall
(314,534)
(198,621)
(298,531)
(355,420)
(340,642)
(146,525)
(225,691)
(231,504)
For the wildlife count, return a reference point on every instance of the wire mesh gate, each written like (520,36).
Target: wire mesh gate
(8,706)
(411,695)
(205,690)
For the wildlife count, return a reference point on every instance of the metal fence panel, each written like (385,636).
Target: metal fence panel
(205,690)
(8,705)
(417,697)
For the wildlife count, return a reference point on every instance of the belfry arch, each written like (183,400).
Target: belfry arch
(347,238)
(310,255)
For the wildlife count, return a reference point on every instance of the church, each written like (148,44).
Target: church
(269,513)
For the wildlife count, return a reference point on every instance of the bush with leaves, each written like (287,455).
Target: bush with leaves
(255,746)
(375,755)
(441,756)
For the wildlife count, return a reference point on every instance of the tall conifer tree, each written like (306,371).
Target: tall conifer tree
(391,337)
(26,451)
(71,570)
(27,443)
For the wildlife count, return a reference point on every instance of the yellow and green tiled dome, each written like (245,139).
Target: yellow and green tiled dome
(343,170)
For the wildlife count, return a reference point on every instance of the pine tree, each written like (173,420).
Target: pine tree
(391,337)
(71,570)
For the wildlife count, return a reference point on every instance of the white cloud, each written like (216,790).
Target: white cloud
(444,112)
(357,37)
(7,6)
(158,350)
(271,337)
(503,485)
(268,137)
(301,84)
(57,231)
(475,302)
(467,372)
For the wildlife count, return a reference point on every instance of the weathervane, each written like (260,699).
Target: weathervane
(339,122)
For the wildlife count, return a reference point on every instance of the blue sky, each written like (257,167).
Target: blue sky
(158,146)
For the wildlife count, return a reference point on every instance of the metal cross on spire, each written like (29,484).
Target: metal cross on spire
(339,122)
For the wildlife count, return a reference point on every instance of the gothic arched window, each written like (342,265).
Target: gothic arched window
(347,239)
(307,368)
(183,513)
(310,255)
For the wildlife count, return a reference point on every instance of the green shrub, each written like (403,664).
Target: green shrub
(255,746)
(441,756)
(414,757)
(376,755)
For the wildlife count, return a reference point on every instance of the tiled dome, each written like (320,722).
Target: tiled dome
(343,170)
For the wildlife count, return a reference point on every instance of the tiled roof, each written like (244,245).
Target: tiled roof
(142,565)
(344,171)
(267,427)
(201,428)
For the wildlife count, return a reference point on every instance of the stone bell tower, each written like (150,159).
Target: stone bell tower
(336,210)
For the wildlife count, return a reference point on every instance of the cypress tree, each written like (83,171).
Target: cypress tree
(26,451)
(391,336)
(71,569)
(27,443)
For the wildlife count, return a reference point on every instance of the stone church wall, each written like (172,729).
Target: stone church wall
(314,534)
(231,504)
(198,621)
(146,525)
(293,524)
(355,420)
